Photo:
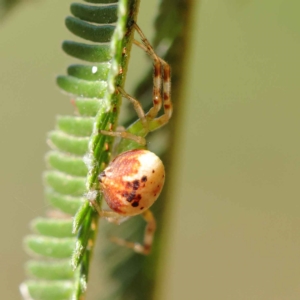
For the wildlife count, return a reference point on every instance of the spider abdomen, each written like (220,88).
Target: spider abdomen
(132,181)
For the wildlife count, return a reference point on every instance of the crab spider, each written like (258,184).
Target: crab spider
(132,182)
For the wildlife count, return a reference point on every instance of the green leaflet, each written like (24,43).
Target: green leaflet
(67,143)
(58,290)
(92,53)
(97,72)
(52,227)
(65,203)
(77,126)
(96,14)
(90,32)
(65,185)
(80,87)
(87,107)
(72,165)
(50,246)
(50,270)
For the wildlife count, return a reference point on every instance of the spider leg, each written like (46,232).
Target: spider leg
(116,218)
(168,107)
(141,114)
(144,248)
(126,135)
(157,72)
(161,85)
(137,106)
(161,91)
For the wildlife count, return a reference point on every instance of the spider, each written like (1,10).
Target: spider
(132,182)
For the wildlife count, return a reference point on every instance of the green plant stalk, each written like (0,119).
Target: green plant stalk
(98,155)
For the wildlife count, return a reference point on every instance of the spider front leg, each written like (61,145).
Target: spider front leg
(161,85)
(161,96)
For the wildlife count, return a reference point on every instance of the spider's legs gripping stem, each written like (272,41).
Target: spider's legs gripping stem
(126,135)
(141,114)
(161,96)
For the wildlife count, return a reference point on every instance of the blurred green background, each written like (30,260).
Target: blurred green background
(234,226)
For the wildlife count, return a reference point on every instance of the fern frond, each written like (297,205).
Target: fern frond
(79,152)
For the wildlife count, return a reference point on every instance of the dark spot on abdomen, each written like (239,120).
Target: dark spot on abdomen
(131,196)
(135,184)
(128,184)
